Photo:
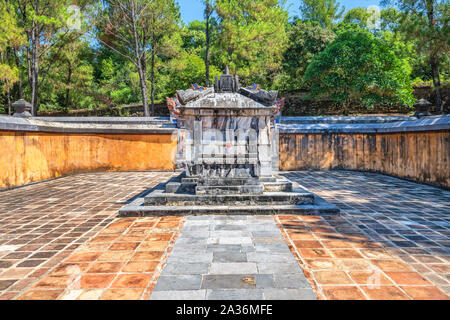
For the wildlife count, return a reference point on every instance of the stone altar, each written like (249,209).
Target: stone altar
(228,151)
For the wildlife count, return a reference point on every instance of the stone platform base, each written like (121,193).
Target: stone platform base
(182,201)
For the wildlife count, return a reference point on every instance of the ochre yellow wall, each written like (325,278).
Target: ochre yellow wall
(28,157)
(419,156)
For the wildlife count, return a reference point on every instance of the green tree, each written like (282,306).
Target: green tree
(253,36)
(117,78)
(45,23)
(70,84)
(427,22)
(358,16)
(181,73)
(390,19)
(306,39)
(139,30)
(11,38)
(325,12)
(194,38)
(165,36)
(209,9)
(361,67)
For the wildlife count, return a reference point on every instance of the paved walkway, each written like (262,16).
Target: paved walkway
(62,239)
(231,257)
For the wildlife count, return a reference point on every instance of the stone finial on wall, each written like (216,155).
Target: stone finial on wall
(422,108)
(22,108)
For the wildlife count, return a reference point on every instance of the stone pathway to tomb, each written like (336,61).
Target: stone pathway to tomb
(62,239)
(231,257)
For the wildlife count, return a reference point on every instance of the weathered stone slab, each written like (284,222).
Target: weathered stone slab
(234,268)
(179,295)
(186,96)
(242,294)
(138,209)
(180,282)
(262,96)
(289,294)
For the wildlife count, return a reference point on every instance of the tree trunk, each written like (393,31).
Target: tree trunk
(143,80)
(9,102)
(208,38)
(437,84)
(29,66)
(142,75)
(69,80)
(345,106)
(35,63)
(153,81)
(434,60)
(16,58)
(34,76)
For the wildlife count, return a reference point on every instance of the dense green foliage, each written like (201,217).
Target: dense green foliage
(106,56)
(306,39)
(360,66)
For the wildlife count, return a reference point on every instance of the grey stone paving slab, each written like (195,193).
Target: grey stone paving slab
(191,268)
(289,294)
(230,227)
(194,233)
(265,233)
(272,247)
(269,257)
(233,268)
(179,295)
(185,240)
(231,258)
(176,283)
(224,248)
(268,240)
(291,281)
(231,233)
(242,294)
(277,267)
(190,247)
(237,281)
(230,240)
(182,257)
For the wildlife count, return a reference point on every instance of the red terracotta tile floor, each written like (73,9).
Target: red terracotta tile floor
(62,239)
(390,242)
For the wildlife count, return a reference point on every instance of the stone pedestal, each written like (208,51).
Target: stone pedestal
(228,149)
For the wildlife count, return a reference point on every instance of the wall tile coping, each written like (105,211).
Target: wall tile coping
(435,123)
(89,125)
(161,125)
(353,119)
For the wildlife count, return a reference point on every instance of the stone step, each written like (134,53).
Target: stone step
(268,198)
(213,190)
(228,182)
(279,186)
(138,209)
(176,187)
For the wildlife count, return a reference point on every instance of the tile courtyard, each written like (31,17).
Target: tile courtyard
(62,239)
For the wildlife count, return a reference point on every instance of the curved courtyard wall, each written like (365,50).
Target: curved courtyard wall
(37,149)
(31,152)
(417,150)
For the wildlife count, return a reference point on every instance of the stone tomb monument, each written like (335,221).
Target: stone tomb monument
(228,149)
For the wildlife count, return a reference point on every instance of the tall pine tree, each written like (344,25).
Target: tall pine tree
(253,36)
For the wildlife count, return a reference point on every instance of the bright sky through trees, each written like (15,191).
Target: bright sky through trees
(193,9)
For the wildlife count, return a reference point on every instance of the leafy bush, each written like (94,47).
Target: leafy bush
(360,66)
